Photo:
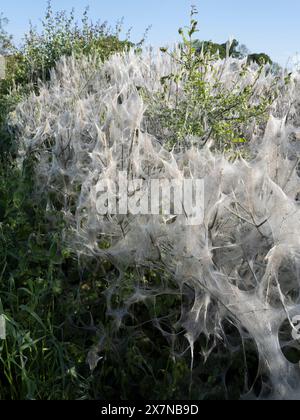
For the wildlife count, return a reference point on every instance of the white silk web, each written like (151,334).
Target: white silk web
(243,262)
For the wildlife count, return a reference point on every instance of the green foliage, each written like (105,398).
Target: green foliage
(56,319)
(29,286)
(260,58)
(6,41)
(55,311)
(222,50)
(205,108)
(62,342)
(232,49)
(62,35)
(8,99)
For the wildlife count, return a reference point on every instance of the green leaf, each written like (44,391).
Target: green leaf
(239,140)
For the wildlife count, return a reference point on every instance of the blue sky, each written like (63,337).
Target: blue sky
(271,26)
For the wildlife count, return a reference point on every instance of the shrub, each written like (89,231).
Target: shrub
(61,344)
(6,40)
(235,272)
(62,35)
(200,102)
(76,283)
